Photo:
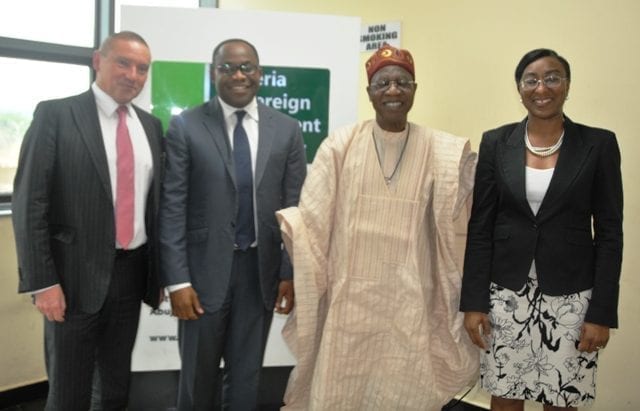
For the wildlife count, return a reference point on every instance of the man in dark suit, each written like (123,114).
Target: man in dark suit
(231,164)
(84,213)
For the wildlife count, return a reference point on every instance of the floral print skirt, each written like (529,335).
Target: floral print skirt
(533,348)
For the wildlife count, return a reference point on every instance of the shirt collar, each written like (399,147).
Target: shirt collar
(251,109)
(106,104)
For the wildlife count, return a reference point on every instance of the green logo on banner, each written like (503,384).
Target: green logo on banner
(302,93)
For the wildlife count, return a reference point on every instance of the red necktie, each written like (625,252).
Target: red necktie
(124,184)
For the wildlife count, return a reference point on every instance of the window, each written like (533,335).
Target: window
(45,53)
(186,4)
(69,22)
(24,83)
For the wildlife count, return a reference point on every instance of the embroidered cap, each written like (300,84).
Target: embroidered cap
(388,55)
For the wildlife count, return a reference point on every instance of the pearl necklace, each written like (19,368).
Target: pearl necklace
(541,151)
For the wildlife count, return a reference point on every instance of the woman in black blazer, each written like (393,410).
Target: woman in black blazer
(544,247)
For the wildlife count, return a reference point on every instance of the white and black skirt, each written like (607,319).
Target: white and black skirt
(533,347)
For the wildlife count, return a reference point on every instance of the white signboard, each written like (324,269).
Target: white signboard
(373,36)
(282,39)
(157,341)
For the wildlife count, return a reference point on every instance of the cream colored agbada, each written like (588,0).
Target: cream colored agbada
(377,273)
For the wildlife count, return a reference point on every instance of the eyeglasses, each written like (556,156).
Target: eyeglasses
(229,69)
(385,84)
(532,83)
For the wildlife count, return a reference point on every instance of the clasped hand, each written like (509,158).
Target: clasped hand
(593,337)
(185,303)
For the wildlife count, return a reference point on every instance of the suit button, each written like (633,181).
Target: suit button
(535,226)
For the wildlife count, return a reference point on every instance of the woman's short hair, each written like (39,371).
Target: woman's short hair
(537,54)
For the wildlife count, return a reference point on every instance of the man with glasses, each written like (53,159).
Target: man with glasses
(376,243)
(231,164)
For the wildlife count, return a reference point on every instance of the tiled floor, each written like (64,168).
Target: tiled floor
(38,405)
(157,391)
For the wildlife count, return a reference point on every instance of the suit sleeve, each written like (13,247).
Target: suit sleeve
(607,205)
(295,173)
(479,249)
(173,206)
(31,202)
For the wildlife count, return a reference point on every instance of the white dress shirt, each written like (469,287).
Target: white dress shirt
(143,163)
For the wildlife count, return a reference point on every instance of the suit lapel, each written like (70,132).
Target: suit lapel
(573,154)
(266,135)
(85,114)
(513,165)
(215,123)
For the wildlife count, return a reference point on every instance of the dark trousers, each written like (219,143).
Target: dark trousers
(88,355)
(237,333)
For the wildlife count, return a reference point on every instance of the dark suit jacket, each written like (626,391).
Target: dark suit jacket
(199,200)
(62,205)
(576,236)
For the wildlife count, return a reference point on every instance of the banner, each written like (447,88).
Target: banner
(302,93)
(311,71)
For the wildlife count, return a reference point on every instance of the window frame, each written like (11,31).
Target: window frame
(58,53)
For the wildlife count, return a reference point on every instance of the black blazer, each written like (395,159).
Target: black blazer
(576,236)
(62,204)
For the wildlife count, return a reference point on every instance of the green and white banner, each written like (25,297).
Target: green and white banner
(302,93)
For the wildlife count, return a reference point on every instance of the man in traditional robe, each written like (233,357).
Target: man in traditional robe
(377,243)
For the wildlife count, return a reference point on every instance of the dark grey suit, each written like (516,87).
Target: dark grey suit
(197,231)
(64,227)
(505,236)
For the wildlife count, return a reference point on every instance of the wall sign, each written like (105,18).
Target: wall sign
(373,36)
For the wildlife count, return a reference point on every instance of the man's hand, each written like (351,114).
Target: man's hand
(185,304)
(478,327)
(51,303)
(593,337)
(285,300)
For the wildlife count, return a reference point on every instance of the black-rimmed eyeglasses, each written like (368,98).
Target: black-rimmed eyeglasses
(229,69)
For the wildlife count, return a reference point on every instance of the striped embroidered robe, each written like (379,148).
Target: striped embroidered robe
(377,272)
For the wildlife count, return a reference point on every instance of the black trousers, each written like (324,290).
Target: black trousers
(88,355)
(237,333)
